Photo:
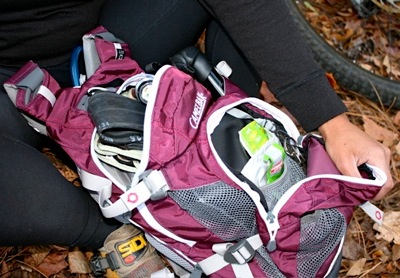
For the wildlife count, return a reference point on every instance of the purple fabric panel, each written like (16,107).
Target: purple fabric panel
(318,161)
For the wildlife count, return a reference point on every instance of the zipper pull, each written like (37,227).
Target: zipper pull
(271,246)
(273,227)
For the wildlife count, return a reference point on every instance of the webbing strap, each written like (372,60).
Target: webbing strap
(153,186)
(373,211)
(93,182)
(225,252)
(47,94)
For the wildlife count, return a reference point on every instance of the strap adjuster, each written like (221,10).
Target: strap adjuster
(240,253)
(157,185)
(99,264)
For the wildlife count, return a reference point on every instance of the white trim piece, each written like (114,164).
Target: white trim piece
(93,182)
(47,94)
(179,252)
(374,212)
(216,262)
(118,53)
(148,217)
(148,124)
(242,270)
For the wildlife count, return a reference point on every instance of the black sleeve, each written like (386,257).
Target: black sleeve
(268,37)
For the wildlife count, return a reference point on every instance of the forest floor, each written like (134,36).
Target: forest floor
(368,251)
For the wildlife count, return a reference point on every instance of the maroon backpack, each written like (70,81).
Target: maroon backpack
(174,168)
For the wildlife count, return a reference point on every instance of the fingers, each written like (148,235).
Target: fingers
(386,187)
(348,167)
(383,162)
(348,154)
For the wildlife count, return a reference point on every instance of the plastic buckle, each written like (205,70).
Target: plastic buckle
(158,195)
(152,181)
(99,264)
(240,253)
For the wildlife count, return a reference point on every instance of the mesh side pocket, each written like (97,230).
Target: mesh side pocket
(226,211)
(170,254)
(292,174)
(320,234)
(267,264)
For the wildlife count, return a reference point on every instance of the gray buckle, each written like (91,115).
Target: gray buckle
(158,195)
(240,253)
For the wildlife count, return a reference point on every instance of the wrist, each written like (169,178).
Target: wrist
(334,125)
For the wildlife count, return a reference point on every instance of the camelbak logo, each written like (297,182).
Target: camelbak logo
(198,110)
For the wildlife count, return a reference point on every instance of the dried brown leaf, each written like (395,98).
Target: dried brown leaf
(78,262)
(53,263)
(357,267)
(395,252)
(390,229)
(379,133)
(352,250)
(38,253)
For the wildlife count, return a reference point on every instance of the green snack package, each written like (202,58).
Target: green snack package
(253,136)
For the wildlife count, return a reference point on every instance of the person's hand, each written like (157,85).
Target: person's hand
(349,147)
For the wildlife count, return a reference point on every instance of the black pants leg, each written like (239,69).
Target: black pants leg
(159,29)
